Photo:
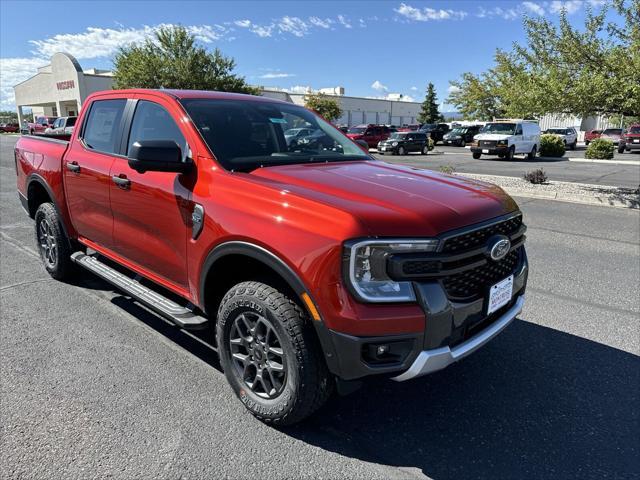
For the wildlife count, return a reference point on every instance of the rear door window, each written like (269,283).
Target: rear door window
(102,127)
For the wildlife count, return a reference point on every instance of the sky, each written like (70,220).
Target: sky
(371,48)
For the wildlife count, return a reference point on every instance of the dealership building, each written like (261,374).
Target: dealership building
(60,88)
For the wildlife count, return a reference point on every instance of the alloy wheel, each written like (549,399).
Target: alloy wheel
(47,242)
(257,355)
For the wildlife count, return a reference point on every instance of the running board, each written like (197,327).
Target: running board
(181,316)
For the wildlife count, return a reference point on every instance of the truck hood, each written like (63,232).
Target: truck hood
(491,136)
(393,200)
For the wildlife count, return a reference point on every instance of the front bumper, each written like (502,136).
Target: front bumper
(498,149)
(452,331)
(632,146)
(430,361)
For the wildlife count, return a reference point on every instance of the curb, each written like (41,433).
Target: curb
(597,160)
(598,200)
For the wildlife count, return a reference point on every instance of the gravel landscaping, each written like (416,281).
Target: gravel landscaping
(565,191)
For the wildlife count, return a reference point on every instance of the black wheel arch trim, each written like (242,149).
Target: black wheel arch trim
(34,177)
(278,265)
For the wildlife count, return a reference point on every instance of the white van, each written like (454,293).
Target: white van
(506,138)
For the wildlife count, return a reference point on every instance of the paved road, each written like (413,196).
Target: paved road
(93,385)
(562,170)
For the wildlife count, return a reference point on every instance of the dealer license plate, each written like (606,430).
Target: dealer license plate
(485,150)
(500,294)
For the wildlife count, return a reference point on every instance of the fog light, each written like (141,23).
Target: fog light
(382,350)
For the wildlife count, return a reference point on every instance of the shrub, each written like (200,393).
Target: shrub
(600,148)
(536,177)
(551,146)
(448,169)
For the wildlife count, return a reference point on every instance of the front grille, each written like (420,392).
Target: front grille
(477,238)
(474,282)
(487,143)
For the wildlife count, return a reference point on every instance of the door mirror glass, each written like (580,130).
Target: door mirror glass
(157,156)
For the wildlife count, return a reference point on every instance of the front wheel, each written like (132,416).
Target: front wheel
(620,149)
(270,355)
(476,155)
(425,150)
(510,153)
(533,152)
(53,243)
(401,151)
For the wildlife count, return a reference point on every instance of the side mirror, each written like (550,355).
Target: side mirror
(158,156)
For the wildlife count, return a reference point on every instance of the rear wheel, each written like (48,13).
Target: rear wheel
(574,145)
(53,244)
(270,355)
(476,155)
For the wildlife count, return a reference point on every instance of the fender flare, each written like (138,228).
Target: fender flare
(36,178)
(278,265)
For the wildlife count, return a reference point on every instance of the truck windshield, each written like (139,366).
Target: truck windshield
(398,135)
(501,128)
(245,135)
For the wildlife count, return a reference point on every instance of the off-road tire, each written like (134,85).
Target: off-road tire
(308,382)
(47,222)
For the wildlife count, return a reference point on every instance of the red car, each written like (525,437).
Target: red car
(9,127)
(311,266)
(591,135)
(613,134)
(40,125)
(630,141)
(371,134)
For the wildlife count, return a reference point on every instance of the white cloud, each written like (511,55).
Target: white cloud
(14,71)
(321,22)
(377,85)
(262,31)
(426,14)
(293,25)
(277,75)
(415,89)
(570,6)
(344,21)
(504,13)
(534,7)
(104,42)
(243,23)
(453,89)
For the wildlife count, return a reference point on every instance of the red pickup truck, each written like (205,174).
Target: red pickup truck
(312,266)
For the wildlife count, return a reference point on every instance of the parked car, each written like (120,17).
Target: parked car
(569,136)
(507,138)
(9,127)
(460,136)
(612,134)
(294,134)
(343,128)
(591,135)
(309,269)
(436,131)
(630,141)
(372,134)
(40,124)
(402,143)
(61,126)
(409,127)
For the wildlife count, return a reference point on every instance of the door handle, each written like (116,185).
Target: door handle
(73,166)
(121,182)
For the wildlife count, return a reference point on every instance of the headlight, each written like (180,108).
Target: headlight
(503,142)
(366,268)
(394,144)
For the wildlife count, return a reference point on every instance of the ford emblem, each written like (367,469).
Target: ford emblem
(499,246)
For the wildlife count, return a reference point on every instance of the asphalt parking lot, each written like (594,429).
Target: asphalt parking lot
(615,174)
(93,385)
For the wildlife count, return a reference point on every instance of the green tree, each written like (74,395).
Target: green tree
(429,112)
(594,69)
(172,59)
(9,116)
(328,108)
